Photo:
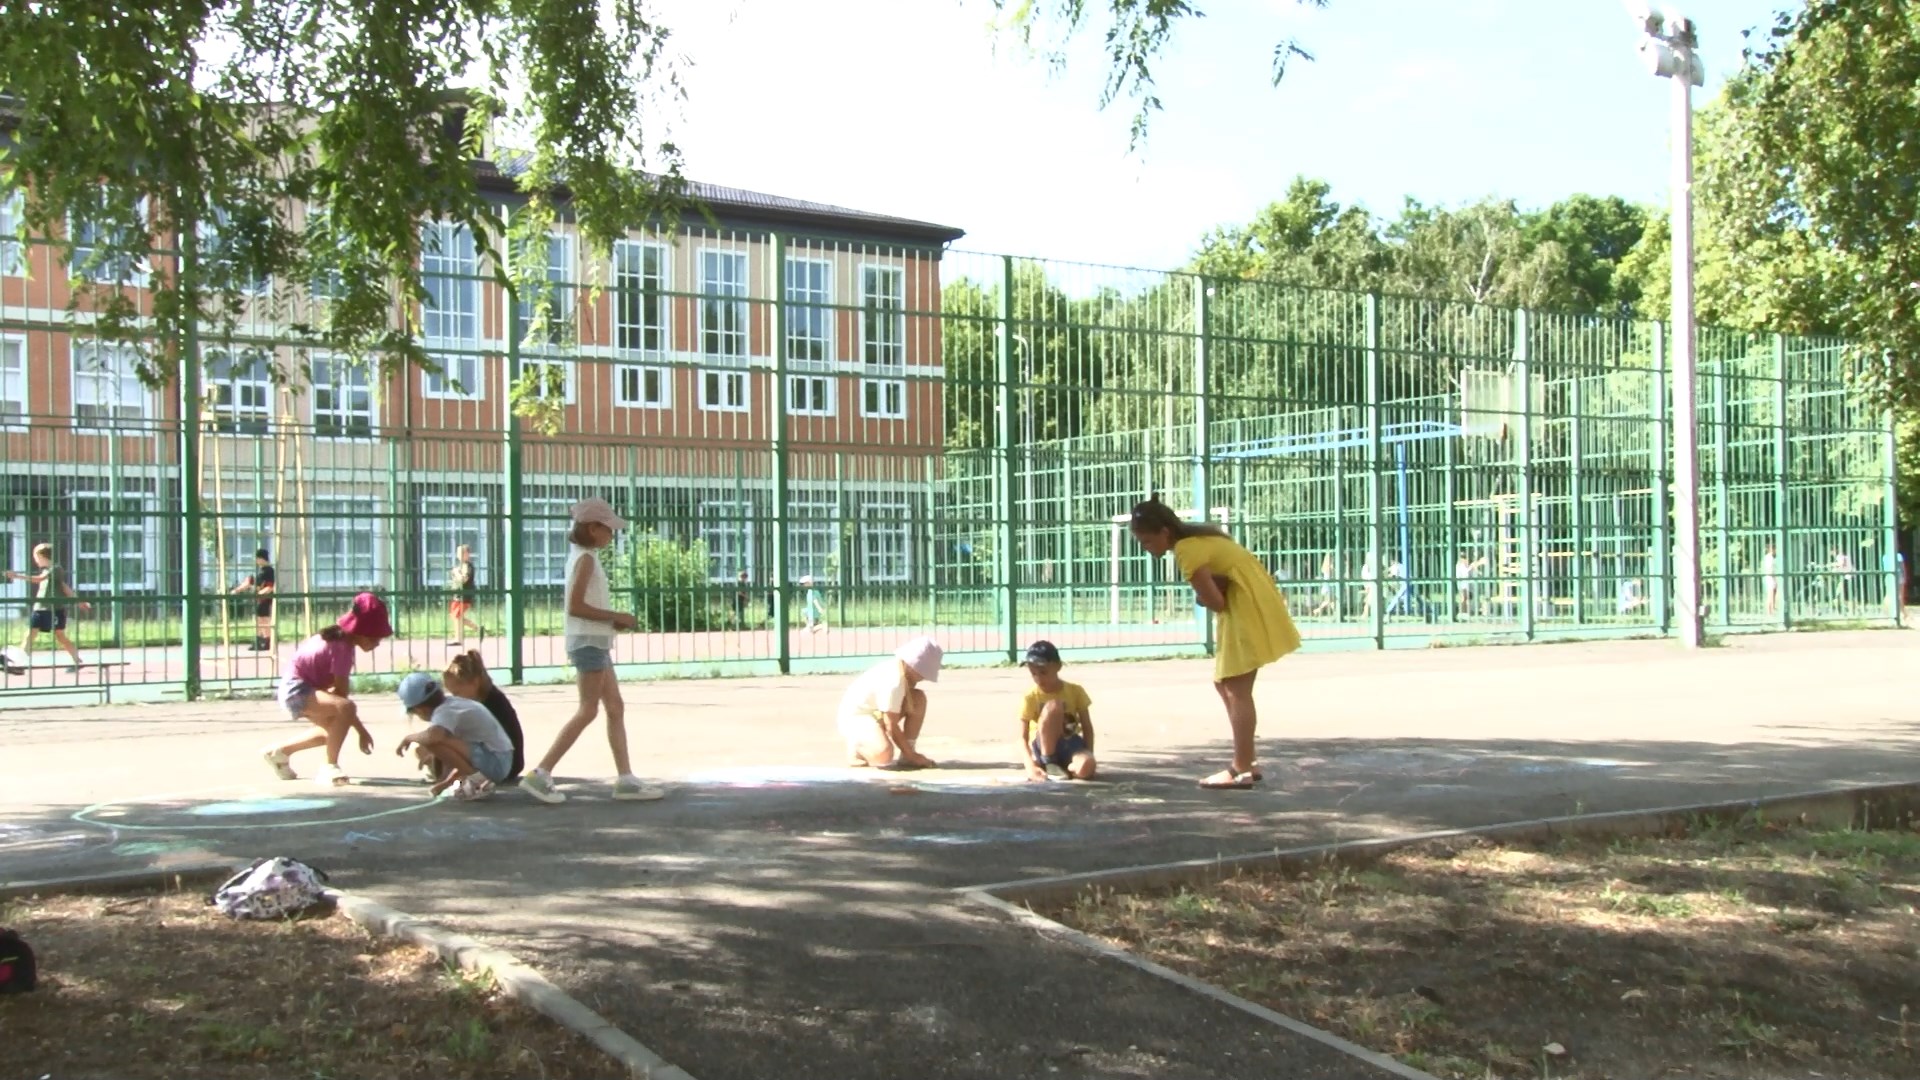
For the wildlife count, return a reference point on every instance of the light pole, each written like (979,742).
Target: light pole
(1670,49)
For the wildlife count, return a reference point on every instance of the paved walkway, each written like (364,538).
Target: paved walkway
(781,915)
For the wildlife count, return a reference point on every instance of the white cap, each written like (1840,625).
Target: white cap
(922,657)
(597,511)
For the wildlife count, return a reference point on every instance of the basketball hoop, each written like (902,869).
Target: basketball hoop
(1491,401)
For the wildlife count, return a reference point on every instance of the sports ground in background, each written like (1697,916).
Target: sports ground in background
(780,915)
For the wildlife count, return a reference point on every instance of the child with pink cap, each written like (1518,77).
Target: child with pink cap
(883,711)
(315,688)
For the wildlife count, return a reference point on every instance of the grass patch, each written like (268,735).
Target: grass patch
(159,985)
(1741,952)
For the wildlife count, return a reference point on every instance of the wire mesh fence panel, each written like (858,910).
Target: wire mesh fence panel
(826,440)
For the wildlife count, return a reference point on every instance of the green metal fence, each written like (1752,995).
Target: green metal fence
(826,445)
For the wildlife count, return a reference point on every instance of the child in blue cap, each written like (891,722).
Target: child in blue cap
(1056,719)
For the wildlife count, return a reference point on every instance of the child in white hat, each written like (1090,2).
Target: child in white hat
(883,711)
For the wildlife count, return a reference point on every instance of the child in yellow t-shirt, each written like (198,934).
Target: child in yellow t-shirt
(1056,719)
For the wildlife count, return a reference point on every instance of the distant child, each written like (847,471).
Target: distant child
(462,583)
(51,594)
(316,688)
(467,677)
(260,584)
(1770,579)
(461,735)
(1253,628)
(740,599)
(1056,719)
(885,708)
(590,627)
(812,610)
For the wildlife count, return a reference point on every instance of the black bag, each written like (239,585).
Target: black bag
(16,964)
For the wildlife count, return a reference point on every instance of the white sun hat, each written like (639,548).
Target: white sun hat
(922,656)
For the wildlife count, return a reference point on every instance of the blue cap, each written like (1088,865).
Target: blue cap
(417,688)
(1042,652)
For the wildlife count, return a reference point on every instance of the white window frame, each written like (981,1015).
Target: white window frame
(883,409)
(466,369)
(144,552)
(731,521)
(873,318)
(232,414)
(640,373)
(14,384)
(453,520)
(725,390)
(212,251)
(327,284)
(248,527)
(335,515)
(877,521)
(631,337)
(801,395)
(810,314)
(134,271)
(358,381)
(13,250)
(449,268)
(550,363)
(812,523)
(124,382)
(559,299)
(544,543)
(714,301)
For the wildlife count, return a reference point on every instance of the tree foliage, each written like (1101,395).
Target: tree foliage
(215,117)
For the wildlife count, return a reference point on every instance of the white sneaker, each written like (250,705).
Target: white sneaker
(472,788)
(331,776)
(633,789)
(282,767)
(540,786)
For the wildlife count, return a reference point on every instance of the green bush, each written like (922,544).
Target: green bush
(662,583)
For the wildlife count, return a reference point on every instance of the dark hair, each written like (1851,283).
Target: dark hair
(332,633)
(468,667)
(1156,516)
(581,534)
(262,554)
(431,701)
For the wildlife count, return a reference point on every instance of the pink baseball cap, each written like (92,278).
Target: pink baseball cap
(597,511)
(922,656)
(367,618)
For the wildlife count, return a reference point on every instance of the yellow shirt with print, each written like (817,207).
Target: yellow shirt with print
(1072,696)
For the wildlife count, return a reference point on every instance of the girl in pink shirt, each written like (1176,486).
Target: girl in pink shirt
(315,688)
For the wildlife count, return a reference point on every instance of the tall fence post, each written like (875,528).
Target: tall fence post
(1202,437)
(1376,608)
(1659,586)
(1577,488)
(1723,569)
(1890,537)
(1782,501)
(191,604)
(1523,454)
(777,425)
(1009,455)
(514,483)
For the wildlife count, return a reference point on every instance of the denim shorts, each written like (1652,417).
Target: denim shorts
(295,695)
(493,764)
(1063,751)
(587,659)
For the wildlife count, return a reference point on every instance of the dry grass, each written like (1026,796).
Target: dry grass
(161,985)
(1756,953)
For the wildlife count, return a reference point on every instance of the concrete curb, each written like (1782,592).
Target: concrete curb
(520,982)
(176,879)
(1845,807)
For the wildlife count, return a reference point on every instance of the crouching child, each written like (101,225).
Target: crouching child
(470,747)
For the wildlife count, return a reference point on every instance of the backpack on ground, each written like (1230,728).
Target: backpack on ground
(271,889)
(17,972)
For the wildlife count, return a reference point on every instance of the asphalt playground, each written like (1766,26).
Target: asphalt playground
(782,915)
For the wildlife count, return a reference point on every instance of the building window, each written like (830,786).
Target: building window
(458,378)
(809,316)
(13,381)
(883,318)
(216,233)
(345,542)
(544,544)
(13,256)
(883,399)
(810,395)
(446,522)
(245,527)
(640,387)
(723,304)
(112,550)
(552,378)
(886,553)
(239,391)
(554,299)
(95,259)
(106,385)
(342,399)
(327,282)
(813,533)
(723,391)
(450,269)
(640,303)
(726,528)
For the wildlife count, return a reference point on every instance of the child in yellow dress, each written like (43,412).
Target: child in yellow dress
(1252,625)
